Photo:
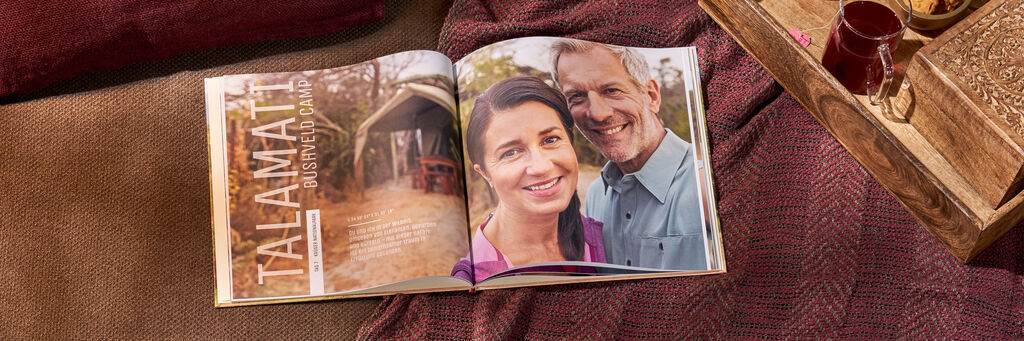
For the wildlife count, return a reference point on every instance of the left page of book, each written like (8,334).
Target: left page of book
(338,182)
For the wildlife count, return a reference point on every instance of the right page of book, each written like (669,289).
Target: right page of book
(585,160)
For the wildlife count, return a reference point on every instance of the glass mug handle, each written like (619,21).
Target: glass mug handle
(887,74)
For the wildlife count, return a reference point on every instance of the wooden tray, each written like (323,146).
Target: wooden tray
(892,150)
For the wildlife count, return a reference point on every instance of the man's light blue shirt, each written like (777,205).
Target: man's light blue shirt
(652,217)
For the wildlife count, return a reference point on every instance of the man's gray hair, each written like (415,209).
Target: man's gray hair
(633,61)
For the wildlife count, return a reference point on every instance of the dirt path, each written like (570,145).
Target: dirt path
(441,241)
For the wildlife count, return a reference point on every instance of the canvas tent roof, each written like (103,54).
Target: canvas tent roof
(415,106)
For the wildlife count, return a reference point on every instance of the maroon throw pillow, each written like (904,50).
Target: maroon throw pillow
(45,41)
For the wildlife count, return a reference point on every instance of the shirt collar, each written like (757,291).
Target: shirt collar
(658,172)
(484,251)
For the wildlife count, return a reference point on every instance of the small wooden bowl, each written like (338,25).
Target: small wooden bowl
(928,22)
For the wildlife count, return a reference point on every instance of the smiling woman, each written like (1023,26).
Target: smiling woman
(529,162)
(519,139)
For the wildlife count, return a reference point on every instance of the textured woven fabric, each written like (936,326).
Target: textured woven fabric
(44,41)
(815,247)
(105,204)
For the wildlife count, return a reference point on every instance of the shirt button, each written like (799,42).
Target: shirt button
(628,262)
(629,216)
(661,246)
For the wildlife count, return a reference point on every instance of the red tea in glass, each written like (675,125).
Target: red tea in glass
(860,46)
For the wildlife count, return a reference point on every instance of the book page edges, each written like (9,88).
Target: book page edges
(701,119)
(218,189)
(412,286)
(537,280)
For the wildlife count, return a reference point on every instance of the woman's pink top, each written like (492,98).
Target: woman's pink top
(488,260)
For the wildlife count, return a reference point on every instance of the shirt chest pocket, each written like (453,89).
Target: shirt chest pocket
(679,252)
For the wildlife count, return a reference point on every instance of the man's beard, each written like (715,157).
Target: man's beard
(623,149)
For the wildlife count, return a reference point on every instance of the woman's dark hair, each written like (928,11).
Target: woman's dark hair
(508,94)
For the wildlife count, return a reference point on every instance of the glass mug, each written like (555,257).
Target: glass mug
(861,44)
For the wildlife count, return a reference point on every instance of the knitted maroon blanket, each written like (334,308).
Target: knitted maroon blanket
(815,247)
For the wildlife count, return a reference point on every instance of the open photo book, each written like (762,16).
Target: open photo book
(531,161)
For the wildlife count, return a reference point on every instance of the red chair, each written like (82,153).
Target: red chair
(439,170)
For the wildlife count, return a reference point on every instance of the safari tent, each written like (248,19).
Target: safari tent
(426,108)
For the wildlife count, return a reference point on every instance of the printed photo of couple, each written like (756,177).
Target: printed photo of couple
(584,152)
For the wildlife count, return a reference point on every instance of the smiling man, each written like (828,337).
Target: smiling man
(647,194)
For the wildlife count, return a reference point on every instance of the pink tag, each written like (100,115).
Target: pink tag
(800,37)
